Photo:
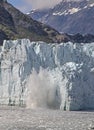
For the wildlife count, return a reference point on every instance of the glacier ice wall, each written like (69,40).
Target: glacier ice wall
(37,74)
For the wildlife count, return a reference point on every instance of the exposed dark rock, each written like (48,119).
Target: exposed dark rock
(2,37)
(78,38)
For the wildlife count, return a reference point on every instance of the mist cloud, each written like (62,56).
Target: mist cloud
(42,91)
(27,5)
(37,4)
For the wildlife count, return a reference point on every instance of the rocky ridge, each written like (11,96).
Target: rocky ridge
(70,17)
(16,25)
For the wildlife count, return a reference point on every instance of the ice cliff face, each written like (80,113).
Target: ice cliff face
(47,75)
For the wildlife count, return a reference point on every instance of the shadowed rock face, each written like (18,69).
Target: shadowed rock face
(3,0)
(2,37)
(37,74)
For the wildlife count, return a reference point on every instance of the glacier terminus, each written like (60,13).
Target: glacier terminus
(37,74)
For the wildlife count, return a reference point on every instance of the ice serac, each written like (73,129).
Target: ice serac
(37,74)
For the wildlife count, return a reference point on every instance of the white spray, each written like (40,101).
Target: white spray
(42,91)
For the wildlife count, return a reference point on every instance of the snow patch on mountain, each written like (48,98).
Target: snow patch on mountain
(91,5)
(66,12)
(72,10)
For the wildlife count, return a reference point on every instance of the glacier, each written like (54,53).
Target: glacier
(37,74)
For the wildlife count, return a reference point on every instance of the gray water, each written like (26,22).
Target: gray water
(15,118)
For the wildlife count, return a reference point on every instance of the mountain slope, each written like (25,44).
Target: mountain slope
(14,24)
(69,17)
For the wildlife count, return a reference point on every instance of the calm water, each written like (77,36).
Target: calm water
(14,118)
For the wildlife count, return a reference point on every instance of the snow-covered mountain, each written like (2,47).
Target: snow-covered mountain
(37,74)
(15,25)
(69,16)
